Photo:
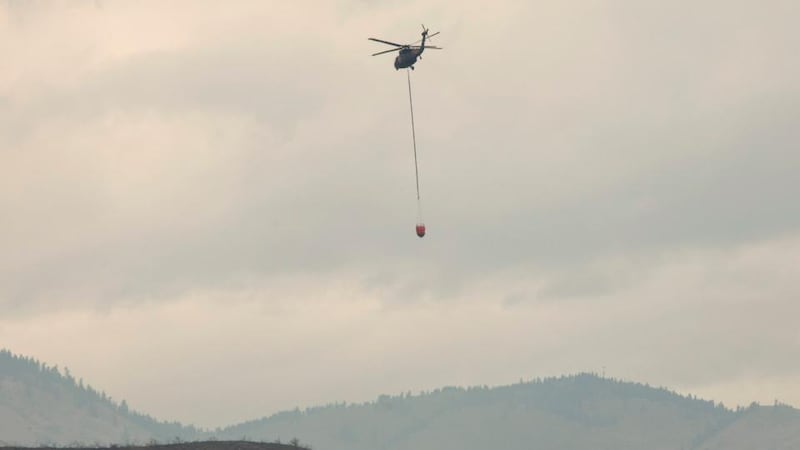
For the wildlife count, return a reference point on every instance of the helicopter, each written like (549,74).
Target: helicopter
(409,53)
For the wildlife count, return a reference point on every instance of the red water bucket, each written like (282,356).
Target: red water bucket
(420,229)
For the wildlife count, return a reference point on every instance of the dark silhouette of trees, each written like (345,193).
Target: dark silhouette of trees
(36,376)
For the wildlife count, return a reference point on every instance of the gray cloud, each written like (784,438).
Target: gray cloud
(570,155)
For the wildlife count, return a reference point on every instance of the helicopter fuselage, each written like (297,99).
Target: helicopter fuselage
(407,58)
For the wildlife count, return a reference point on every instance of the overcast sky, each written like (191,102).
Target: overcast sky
(208,208)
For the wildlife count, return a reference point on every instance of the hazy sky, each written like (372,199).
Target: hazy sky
(208,208)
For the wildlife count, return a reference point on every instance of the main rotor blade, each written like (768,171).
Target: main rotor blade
(386,51)
(427,47)
(385,42)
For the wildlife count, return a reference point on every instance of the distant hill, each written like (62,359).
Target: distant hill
(774,428)
(570,413)
(40,405)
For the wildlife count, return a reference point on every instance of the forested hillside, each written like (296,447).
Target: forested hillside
(570,413)
(39,405)
(775,427)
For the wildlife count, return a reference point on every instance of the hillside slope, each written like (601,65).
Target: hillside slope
(763,428)
(569,413)
(40,405)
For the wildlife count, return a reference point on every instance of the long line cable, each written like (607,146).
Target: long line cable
(413,135)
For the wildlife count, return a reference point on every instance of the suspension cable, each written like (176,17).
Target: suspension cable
(413,132)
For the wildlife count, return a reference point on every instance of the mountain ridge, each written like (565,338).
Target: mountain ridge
(39,405)
(604,411)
